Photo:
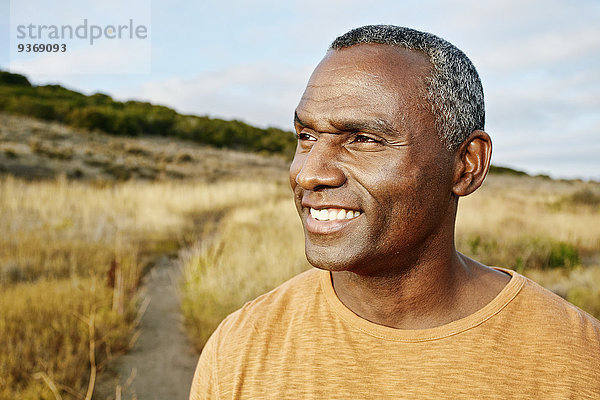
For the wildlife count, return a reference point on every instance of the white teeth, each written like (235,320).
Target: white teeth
(314,213)
(333,214)
(323,215)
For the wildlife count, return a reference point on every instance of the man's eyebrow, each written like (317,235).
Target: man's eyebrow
(357,125)
(366,125)
(297,120)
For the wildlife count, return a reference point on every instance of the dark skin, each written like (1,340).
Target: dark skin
(367,143)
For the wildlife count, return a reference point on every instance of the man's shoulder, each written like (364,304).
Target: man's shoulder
(554,304)
(274,305)
(544,311)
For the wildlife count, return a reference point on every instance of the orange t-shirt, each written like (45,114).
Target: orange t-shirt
(300,342)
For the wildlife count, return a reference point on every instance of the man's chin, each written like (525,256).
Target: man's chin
(326,259)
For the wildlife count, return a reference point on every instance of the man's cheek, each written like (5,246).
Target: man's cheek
(294,171)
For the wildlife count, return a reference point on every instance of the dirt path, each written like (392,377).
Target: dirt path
(161,364)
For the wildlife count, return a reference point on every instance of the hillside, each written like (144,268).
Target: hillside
(99,112)
(35,149)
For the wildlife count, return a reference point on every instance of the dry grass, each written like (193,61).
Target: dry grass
(515,222)
(64,241)
(548,230)
(42,150)
(256,249)
(79,228)
(74,252)
(511,207)
(44,332)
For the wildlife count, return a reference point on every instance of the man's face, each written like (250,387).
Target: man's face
(371,177)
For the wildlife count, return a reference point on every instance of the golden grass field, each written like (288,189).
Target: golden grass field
(61,239)
(72,251)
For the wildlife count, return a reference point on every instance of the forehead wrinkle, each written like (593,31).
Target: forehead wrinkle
(338,85)
(358,80)
(349,91)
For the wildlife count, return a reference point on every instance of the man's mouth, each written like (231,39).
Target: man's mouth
(332,214)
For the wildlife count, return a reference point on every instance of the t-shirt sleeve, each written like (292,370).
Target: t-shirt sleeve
(204,385)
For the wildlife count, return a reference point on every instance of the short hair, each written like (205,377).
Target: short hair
(453,89)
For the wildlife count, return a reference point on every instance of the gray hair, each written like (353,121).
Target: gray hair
(453,89)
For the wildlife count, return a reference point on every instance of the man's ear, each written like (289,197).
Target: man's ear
(472,163)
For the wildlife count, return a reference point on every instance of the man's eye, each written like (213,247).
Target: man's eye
(365,139)
(306,136)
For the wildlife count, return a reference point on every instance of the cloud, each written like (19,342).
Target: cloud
(568,46)
(260,94)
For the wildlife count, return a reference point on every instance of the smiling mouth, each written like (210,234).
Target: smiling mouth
(332,214)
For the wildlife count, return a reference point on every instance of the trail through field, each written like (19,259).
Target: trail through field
(161,364)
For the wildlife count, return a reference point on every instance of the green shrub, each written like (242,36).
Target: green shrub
(562,255)
(7,78)
(128,124)
(495,169)
(521,253)
(92,118)
(100,99)
(10,153)
(37,108)
(585,197)
(132,118)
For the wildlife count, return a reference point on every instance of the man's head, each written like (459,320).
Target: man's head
(452,89)
(376,175)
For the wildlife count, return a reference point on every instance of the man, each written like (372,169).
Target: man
(390,135)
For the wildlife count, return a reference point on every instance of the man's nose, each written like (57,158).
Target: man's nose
(320,168)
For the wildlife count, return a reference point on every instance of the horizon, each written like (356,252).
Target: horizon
(538,62)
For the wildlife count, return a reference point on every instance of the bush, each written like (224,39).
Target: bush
(7,78)
(10,153)
(33,107)
(132,118)
(585,197)
(563,255)
(128,124)
(521,253)
(495,169)
(160,121)
(92,118)
(100,99)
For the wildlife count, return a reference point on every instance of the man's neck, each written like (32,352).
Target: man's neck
(423,296)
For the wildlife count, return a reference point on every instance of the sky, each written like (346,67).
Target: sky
(539,62)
